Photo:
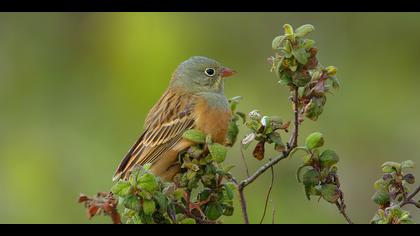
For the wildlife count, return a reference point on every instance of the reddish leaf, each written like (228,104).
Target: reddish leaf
(83,198)
(259,151)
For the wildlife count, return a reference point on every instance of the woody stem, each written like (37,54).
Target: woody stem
(293,142)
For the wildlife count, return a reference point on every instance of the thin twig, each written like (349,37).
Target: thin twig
(342,209)
(199,220)
(244,161)
(262,169)
(273,215)
(414,193)
(293,142)
(404,194)
(341,205)
(409,199)
(411,202)
(268,194)
(243,204)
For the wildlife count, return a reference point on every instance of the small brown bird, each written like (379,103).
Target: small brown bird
(194,99)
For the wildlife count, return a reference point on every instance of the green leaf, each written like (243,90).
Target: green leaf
(161,200)
(191,174)
(278,67)
(255,115)
(248,140)
(409,178)
(122,188)
(407,164)
(388,169)
(316,75)
(311,177)
(301,55)
(229,191)
(179,193)
(213,211)
(335,82)
(235,99)
(195,136)
(208,180)
(330,193)
(285,79)
(381,184)
(287,52)
(146,219)
(381,198)
(193,183)
(230,186)
(328,158)
(188,221)
(390,166)
(132,202)
(298,173)
(288,29)
(149,206)
(314,140)
(278,41)
(253,125)
(242,116)
(204,195)
(218,152)
(379,216)
(147,166)
(234,102)
(266,122)
(301,79)
(315,107)
(145,195)
(308,43)
(195,152)
(331,70)
(396,215)
(148,182)
(303,30)
(228,210)
(232,134)
(279,147)
(311,191)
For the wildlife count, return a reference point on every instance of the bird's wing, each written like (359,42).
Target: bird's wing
(165,124)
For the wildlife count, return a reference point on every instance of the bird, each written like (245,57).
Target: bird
(194,99)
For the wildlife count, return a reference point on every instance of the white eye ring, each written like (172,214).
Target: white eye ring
(209,72)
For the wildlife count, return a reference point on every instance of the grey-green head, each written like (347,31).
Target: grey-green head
(201,74)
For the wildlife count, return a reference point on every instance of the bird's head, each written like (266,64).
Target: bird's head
(201,74)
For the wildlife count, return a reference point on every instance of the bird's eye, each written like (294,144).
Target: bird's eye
(209,72)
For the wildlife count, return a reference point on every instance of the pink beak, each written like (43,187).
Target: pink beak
(226,72)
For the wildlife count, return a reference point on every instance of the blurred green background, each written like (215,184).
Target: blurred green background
(76,87)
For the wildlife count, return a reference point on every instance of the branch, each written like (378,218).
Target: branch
(414,193)
(268,195)
(342,209)
(409,199)
(293,142)
(262,169)
(104,203)
(340,204)
(244,161)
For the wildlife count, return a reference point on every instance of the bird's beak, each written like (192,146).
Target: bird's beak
(226,72)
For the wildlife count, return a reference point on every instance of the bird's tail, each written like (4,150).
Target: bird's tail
(122,170)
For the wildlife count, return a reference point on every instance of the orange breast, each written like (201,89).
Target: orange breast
(212,120)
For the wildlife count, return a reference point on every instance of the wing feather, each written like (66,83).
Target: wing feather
(165,124)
